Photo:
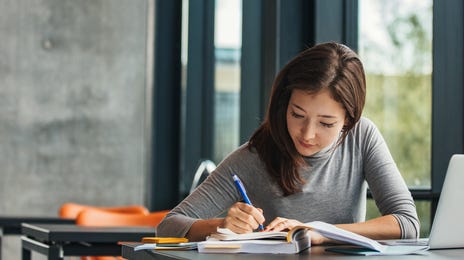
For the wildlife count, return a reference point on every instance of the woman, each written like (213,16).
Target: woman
(311,159)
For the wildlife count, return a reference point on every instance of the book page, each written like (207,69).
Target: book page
(338,234)
(226,234)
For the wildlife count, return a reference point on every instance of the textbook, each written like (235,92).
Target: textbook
(296,240)
(225,241)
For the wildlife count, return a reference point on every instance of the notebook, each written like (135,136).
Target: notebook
(448,226)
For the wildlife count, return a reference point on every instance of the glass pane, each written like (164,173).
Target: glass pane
(228,43)
(395,45)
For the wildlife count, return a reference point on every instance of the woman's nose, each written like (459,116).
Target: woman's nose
(308,131)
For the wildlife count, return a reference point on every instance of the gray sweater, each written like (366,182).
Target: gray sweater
(335,189)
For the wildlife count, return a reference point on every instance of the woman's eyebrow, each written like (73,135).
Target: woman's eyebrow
(327,116)
(298,107)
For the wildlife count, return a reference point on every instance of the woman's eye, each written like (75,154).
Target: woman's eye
(295,115)
(327,125)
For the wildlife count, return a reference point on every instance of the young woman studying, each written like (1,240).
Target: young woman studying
(312,158)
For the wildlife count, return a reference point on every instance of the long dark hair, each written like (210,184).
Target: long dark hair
(329,66)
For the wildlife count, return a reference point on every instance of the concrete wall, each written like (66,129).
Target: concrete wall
(72,104)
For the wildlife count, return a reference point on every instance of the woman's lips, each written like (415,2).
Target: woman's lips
(306,145)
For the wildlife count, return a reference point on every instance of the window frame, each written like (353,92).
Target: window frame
(447,90)
(274,31)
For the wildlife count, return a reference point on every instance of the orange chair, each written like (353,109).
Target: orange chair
(101,218)
(71,210)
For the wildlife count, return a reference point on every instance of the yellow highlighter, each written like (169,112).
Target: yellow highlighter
(164,240)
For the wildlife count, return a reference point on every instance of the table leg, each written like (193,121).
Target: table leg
(1,237)
(54,253)
(26,254)
(29,245)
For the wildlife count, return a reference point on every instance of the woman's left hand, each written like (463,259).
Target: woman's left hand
(283,224)
(280,224)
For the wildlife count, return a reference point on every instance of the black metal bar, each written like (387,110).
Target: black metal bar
(94,249)
(293,30)
(448,94)
(198,137)
(447,90)
(328,20)
(251,70)
(59,250)
(270,59)
(427,195)
(51,251)
(25,254)
(11,225)
(1,238)
(350,23)
(162,188)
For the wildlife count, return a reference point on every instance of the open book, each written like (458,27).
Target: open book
(247,243)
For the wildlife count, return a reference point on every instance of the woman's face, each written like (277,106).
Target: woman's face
(314,121)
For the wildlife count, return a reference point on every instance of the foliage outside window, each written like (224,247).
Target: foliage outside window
(395,44)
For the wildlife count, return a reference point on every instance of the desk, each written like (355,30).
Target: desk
(314,253)
(58,241)
(11,225)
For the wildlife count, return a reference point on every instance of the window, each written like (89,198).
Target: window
(274,31)
(227,44)
(395,45)
(211,51)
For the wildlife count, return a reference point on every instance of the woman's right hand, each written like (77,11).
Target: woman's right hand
(243,218)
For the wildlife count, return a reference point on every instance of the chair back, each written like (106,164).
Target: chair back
(71,209)
(102,218)
(205,168)
(97,217)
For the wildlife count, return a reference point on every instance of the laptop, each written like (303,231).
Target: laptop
(448,225)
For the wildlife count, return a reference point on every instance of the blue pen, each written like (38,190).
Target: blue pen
(242,191)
